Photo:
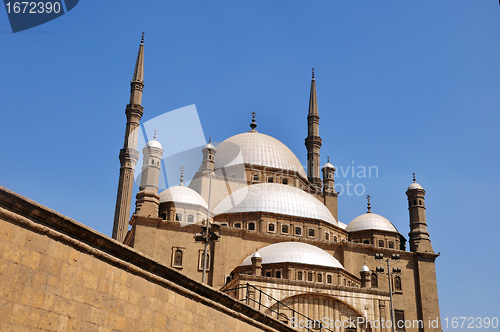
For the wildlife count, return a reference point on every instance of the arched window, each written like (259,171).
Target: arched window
(374,280)
(327,236)
(278,274)
(202,255)
(178,217)
(391,244)
(311,232)
(299,275)
(270,179)
(381,243)
(237,225)
(251,226)
(309,276)
(152,161)
(271,227)
(298,231)
(190,218)
(420,202)
(414,202)
(335,238)
(329,279)
(268,274)
(178,257)
(397,284)
(256,177)
(320,278)
(285,181)
(366,241)
(284,229)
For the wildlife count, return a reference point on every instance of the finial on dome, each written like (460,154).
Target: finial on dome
(182,177)
(142,39)
(210,140)
(154,136)
(369,206)
(253,125)
(413,177)
(312,73)
(327,159)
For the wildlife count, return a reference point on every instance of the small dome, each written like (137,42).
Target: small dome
(415,185)
(295,252)
(181,194)
(154,144)
(256,255)
(257,149)
(365,269)
(275,198)
(370,221)
(209,146)
(328,165)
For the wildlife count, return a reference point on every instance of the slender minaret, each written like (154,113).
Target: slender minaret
(313,141)
(328,178)
(129,154)
(419,236)
(148,200)
(208,157)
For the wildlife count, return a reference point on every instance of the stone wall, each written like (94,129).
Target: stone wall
(59,275)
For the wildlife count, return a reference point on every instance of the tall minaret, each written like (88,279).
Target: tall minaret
(148,200)
(419,236)
(129,154)
(313,141)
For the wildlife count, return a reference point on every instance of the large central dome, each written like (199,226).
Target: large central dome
(275,198)
(257,149)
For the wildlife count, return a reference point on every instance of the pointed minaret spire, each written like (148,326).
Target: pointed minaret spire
(129,154)
(253,125)
(137,84)
(369,206)
(313,141)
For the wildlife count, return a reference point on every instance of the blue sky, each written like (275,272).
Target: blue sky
(403,86)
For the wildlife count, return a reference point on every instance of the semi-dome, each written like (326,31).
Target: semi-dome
(275,198)
(370,221)
(257,149)
(294,252)
(181,194)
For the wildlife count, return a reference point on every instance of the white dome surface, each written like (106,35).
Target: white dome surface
(275,198)
(154,144)
(181,194)
(257,149)
(370,221)
(415,185)
(294,252)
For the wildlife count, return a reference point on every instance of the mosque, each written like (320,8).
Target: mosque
(254,224)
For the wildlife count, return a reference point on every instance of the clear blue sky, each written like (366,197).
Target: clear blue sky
(404,86)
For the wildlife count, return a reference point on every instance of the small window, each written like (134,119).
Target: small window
(190,218)
(309,276)
(285,181)
(268,274)
(327,236)
(178,217)
(278,274)
(157,163)
(330,175)
(381,243)
(329,279)
(391,244)
(299,275)
(374,280)
(414,202)
(256,177)
(311,232)
(399,317)
(270,179)
(298,231)
(284,229)
(320,278)
(335,238)
(251,226)
(237,225)
(366,241)
(397,284)
(152,161)
(420,202)
(200,263)
(178,258)
(271,227)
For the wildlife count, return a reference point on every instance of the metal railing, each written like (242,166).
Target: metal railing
(295,318)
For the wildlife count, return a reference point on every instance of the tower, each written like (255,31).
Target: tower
(328,178)
(419,236)
(148,200)
(313,141)
(129,155)
(208,157)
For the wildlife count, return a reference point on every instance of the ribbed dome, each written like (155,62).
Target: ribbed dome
(370,221)
(257,149)
(275,198)
(181,194)
(294,252)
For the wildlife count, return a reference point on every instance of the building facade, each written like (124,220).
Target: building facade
(271,234)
